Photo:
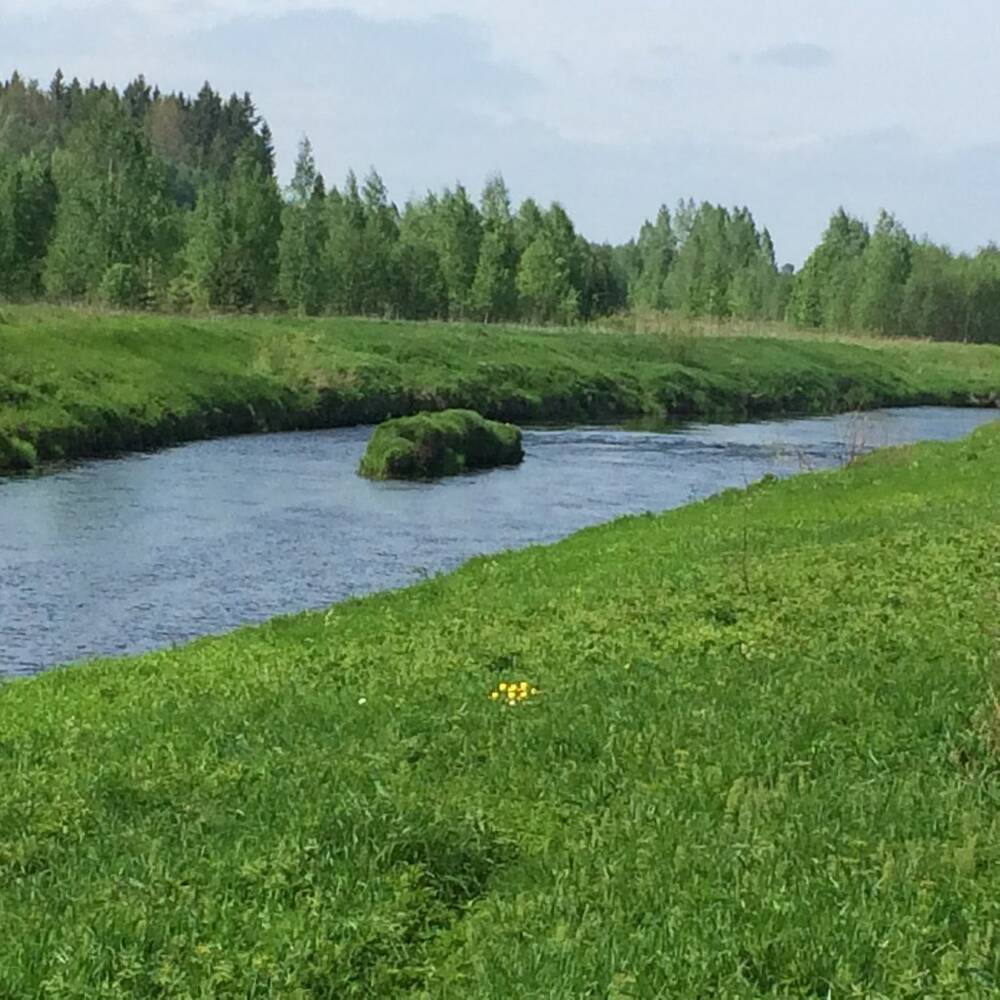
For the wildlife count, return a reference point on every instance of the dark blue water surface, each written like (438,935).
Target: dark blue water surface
(130,554)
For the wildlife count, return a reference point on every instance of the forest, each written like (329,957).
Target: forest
(140,199)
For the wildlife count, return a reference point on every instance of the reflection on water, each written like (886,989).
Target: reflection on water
(119,556)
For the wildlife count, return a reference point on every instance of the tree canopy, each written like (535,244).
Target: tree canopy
(143,199)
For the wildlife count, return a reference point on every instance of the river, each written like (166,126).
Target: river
(118,556)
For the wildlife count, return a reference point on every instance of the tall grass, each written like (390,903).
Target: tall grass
(762,762)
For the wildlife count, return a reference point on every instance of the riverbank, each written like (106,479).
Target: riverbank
(763,760)
(75,384)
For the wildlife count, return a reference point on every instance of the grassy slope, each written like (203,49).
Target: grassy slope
(75,384)
(763,763)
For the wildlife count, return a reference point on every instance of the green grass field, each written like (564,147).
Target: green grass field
(763,760)
(76,384)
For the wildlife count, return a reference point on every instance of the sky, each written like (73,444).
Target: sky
(791,107)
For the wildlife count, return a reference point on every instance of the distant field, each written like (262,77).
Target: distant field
(758,755)
(74,383)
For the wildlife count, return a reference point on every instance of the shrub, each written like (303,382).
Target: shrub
(121,287)
(17,454)
(446,443)
(180,295)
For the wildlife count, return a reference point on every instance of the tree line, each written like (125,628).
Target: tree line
(141,199)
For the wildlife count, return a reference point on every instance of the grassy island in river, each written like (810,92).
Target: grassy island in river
(763,761)
(75,384)
(429,445)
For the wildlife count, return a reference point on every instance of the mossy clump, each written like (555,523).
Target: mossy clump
(430,445)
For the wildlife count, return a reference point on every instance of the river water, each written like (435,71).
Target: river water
(118,556)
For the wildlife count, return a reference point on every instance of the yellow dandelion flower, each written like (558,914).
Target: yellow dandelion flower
(502,686)
(494,695)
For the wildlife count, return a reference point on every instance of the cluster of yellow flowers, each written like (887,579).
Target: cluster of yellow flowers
(513,694)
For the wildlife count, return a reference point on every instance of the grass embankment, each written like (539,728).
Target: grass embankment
(763,762)
(445,443)
(74,384)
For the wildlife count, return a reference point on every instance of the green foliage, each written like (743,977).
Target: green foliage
(655,252)
(232,250)
(421,292)
(302,279)
(493,294)
(885,268)
(544,282)
(17,455)
(762,763)
(457,234)
(825,289)
(430,445)
(74,384)
(122,287)
(182,191)
(112,207)
(27,212)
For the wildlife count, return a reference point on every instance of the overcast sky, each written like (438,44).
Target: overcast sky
(789,106)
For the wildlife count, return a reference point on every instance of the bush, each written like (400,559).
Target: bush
(122,287)
(180,295)
(16,454)
(446,443)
